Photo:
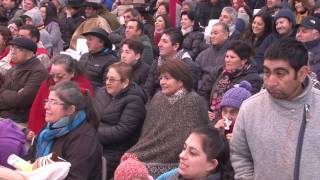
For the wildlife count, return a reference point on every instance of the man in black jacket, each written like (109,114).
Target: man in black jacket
(99,57)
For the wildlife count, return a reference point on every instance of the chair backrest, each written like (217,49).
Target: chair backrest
(104,168)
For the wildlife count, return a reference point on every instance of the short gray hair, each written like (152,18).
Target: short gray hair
(232,12)
(225,27)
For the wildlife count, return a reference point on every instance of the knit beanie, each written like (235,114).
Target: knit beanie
(236,95)
(286,13)
(130,169)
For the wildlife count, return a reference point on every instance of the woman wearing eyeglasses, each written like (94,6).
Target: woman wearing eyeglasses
(63,68)
(70,132)
(120,105)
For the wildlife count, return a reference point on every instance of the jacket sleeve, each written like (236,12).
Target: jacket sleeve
(131,118)
(115,36)
(22,98)
(241,158)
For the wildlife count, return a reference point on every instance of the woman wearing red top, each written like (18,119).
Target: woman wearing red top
(63,68)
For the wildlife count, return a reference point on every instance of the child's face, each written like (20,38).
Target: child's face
(230,113)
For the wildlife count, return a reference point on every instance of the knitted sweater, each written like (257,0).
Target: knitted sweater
(265,137)
(167,126)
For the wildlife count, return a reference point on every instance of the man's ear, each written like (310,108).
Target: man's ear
(303,73)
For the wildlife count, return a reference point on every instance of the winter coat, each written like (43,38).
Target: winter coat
(273,37)
(12,141)
(37,112)
(209,59)
(147,54)
(314,48)
(20,88)
(95,65)
(53,29)
(166,128)
(191,42)
(140,72)
(86,26)
(121,119)
(81,148)
(111,18)
(265,137)
(69,26)
(117,36)
(250,75)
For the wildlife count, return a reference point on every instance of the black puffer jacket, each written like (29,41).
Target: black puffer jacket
(140,72)
(95,65)
(192,42)
(121,120)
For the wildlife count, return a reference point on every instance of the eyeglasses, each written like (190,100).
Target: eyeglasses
(111,80)
(52,102)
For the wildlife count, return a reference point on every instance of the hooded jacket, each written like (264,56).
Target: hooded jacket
(314,48)
(275,36)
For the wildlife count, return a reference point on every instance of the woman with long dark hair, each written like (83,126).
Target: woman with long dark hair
(260,28)
(51,23)
(192,34)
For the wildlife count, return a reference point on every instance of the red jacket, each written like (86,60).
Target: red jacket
(37,111)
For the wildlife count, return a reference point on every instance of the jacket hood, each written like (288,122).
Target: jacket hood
(34,14)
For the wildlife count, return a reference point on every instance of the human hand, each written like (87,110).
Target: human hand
(30,135)
(211,115)
(220,124)
(229,136)
(20,90)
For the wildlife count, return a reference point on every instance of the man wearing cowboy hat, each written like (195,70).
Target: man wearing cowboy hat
(99,57)
(91,9)
(22,81)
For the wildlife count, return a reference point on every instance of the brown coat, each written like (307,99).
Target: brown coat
(20,87)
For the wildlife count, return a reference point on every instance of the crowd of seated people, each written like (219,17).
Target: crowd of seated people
(141,85)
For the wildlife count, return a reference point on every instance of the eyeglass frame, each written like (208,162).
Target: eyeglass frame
(112,80)
(53,102)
